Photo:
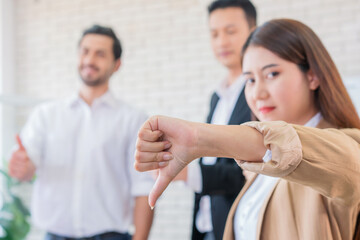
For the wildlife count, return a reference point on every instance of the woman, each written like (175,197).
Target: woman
(306,180)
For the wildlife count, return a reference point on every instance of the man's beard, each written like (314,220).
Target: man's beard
(93,83)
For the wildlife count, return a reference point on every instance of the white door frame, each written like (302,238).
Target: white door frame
(7,76)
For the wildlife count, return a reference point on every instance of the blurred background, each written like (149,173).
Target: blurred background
(167,67)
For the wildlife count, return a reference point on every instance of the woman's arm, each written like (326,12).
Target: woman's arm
(327,160)
(231,141)
(170,144)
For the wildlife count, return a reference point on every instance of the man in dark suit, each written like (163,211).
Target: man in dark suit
(217,181)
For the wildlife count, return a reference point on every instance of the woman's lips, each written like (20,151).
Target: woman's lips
(265,110)
(225,53)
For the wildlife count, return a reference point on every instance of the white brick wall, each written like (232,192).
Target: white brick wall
(168,67)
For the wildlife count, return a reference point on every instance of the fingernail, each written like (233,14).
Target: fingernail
(167,145)
(152,207)
(163,164)
(167,157)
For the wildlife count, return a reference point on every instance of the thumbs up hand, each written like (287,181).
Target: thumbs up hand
(20,165)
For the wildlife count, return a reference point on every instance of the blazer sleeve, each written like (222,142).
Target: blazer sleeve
(224,177)
(327,160)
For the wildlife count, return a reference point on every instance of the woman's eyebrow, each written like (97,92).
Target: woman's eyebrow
(263,68)
(269,66)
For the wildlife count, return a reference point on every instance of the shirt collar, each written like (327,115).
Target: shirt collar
(106,99)
(223,90)
(73,100)
(314,121)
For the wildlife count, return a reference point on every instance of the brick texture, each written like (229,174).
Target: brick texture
(167,67)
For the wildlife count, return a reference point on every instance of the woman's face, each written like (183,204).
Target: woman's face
(277,89)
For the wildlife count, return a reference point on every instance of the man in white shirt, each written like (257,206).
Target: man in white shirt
(82,151)
(217,181)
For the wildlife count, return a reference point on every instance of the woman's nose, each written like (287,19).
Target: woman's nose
(260,91)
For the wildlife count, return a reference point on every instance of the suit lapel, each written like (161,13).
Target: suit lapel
(213,103)
(322,124)
(229,233)
(229,228)
(262,210)
(241,112)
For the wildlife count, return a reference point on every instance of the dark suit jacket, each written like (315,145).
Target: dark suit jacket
(223,180)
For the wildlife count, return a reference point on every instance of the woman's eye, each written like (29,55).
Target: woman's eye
(230,32)
(83,52)
(272,74)
(249,80)
(214,35)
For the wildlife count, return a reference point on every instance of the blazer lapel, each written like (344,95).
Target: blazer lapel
(229,227)
(241,112)
(322,124)
(213,102)
(262,210)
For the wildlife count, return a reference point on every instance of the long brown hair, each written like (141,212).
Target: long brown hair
(295,42)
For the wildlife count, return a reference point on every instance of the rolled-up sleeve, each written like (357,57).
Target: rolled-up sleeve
(285,145)
(327,160)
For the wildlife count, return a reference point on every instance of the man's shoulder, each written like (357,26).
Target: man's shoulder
(52,105)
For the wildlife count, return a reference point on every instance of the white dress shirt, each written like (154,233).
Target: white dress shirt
(85,182)
(228,96)
(247,212)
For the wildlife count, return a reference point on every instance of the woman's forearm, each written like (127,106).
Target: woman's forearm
(232,141)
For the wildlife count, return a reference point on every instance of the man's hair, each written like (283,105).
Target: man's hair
(106,31)
(245,5)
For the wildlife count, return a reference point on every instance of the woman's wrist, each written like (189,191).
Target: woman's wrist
(206,140)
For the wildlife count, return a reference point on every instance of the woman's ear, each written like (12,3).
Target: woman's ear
(314,82)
